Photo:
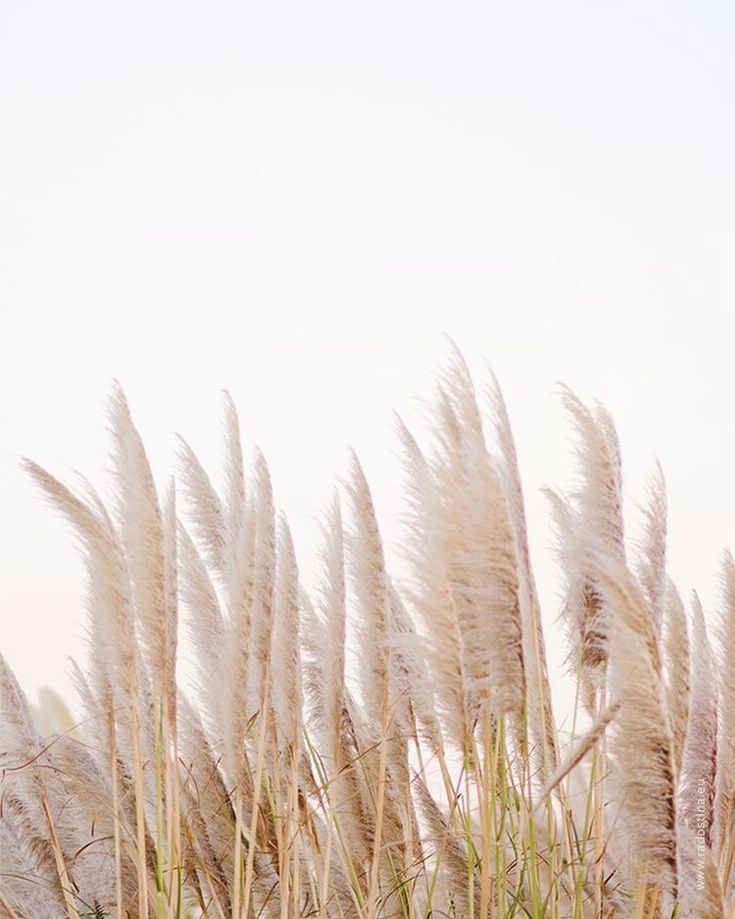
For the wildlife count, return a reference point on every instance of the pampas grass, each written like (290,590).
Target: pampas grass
(383,745)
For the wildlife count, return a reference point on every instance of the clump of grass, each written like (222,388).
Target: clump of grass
(429,780)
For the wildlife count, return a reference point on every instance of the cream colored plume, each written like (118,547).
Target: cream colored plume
(653,546)
(677,668)
(540,712)
(286,691)
(149,542)
(370,584)
(115,678)
(725,799)
(592,515)
(640,742)
(475,534)
(699,773)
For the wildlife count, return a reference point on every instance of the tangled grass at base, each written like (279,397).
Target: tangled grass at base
(432,781)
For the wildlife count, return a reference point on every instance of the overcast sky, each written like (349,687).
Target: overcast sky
(295,201)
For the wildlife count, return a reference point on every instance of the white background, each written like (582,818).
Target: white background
(296,200)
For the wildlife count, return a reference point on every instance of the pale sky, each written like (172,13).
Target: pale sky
(295,201)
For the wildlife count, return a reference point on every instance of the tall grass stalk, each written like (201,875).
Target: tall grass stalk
(383,745)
